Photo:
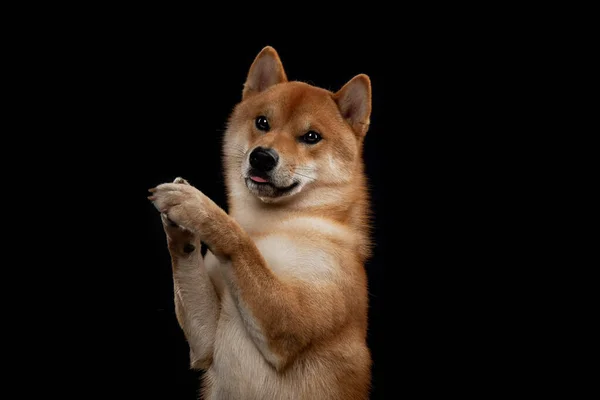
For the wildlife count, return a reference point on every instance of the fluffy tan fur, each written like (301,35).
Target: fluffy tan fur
(277,309)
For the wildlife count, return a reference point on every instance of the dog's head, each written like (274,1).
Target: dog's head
(287,137)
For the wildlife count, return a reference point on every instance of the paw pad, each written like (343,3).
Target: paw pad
(188,248)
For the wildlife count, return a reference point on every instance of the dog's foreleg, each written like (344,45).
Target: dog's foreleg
(196,302)
(282,318)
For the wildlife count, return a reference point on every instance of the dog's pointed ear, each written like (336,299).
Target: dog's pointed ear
(265,71)
(354,102)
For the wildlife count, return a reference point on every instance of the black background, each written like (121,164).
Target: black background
(125,106)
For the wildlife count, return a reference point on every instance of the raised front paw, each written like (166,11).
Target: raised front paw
(180,240)
(182,204)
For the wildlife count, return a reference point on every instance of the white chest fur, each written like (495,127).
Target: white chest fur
(299,250)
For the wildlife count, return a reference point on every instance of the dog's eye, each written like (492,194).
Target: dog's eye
(310,137)
(262,123)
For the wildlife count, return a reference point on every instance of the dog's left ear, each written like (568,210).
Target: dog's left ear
(265,71)
(354,102)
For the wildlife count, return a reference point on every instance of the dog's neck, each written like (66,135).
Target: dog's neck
(346,203)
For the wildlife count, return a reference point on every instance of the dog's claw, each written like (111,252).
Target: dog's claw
(181,180)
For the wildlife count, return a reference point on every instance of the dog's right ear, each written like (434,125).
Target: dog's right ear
(265,71)
(354,102)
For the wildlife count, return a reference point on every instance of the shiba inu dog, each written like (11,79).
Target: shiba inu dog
(277,308)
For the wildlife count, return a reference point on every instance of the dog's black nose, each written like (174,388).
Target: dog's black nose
(263,159)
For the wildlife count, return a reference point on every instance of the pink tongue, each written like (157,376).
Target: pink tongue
(258,179)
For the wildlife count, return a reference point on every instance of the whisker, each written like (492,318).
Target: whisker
(236,152)
(238,149)
(235,155)
(306,176)
(296,166)
(307,170)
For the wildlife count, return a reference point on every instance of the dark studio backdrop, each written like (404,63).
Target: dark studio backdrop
(159,104)
(138,105)
(124,105)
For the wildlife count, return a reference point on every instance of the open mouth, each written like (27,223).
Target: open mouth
(268,189)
